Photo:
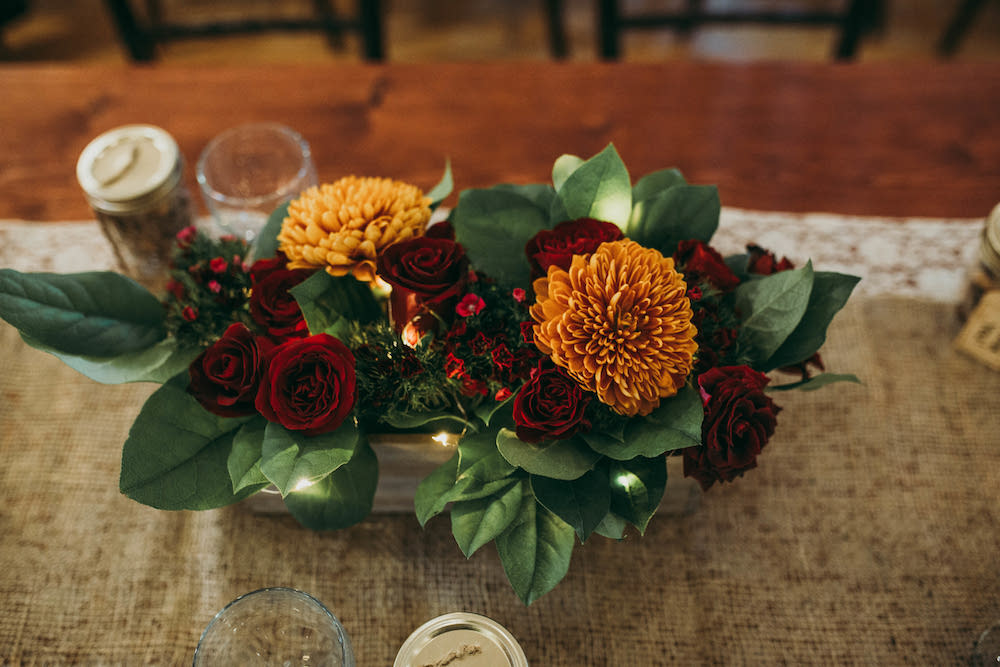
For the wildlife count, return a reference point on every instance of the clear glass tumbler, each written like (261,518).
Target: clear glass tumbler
(248,171)
(274,626)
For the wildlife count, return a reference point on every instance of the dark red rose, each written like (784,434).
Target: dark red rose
(441,230)
(274,308)
(550,405)
(226,376)
(739,420)
(557,246)
(264,267)
(309,386)
(763,262)
(434,269)
(701,262)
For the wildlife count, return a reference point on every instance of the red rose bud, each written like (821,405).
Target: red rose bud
(702,263)
(309,386)
(573,237)
(763,262)
(739,420)
(550,405)
(226,376)
(274,308)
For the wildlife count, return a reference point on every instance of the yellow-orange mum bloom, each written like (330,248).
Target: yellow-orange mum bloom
(619,322)
(342,226)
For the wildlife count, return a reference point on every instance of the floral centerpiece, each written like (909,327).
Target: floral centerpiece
(573,335)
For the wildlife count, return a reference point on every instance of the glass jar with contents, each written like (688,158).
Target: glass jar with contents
(132,177)
(985,275)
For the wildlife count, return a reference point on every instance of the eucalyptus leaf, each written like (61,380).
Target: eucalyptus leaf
(678,214)
(493,226)
(599,188)
(563,167)
(342,498)
(443,188)
(331,304)
(244,459)
(559,459)
(475,523)
(582,503)
(98,314)
(175,457)
(816,382)
(535,550)
(829,294)
(637,488)
(291,460)
(265,244)
(656,182)
(772,308)
(157,363)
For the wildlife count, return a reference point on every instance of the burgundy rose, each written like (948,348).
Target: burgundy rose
(701,262)
(225,377)
(763,262)
(557,246)
(550,405)
(273,307)
(441,230)
(425,274)
(309,386)
(262,268)
(739,420)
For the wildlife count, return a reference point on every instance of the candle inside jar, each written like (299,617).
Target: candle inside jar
(461,648)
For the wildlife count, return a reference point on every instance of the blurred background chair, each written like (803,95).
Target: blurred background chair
(960,23)
(141,33)
(852,19)
(10,10)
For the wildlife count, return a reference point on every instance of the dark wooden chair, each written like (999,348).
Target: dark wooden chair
(959,25)
(853,19)
(142,35)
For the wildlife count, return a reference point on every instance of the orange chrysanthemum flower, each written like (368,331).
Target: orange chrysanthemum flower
(341,227)
(619,322)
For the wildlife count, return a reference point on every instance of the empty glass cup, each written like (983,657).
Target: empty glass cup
(274,626)
(248,171)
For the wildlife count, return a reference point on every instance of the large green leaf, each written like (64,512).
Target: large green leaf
(637,488)
(157,363)
(599,188)
(330,304)
(535,550)
(175,457)
(675,424)
(540,194)
(265,244)
(291,460)
(772,308)
(830,292)
(816,382)
(582,503)
(244,459)
(429,499)
(99,314)
(493,226)
(563,167)
(677,214)
(342,498)
(477,522)
(654,183)
(559,459)
(612,527)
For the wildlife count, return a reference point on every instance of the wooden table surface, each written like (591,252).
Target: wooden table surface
(885,139)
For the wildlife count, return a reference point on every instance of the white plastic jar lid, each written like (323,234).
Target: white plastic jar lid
(127,165)
(461,638)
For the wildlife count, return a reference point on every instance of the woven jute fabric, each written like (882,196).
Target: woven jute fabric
(868,535)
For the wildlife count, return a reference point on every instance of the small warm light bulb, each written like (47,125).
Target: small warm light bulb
(302,484)
(624,479)
(442,438)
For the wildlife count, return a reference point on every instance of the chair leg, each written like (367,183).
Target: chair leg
(137,40)
(608,21)
(853,25)
(370,18)
(331,26)
(956,30)
(557,30)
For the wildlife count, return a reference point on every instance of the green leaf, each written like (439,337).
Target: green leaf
(563,167)
(477,522)
(683,212)
(496,412)
(772,308)
(157,363)
(291,460)
(535,550)
(408,420)
(493,226)
(830,292)
(637,488)
(332,304)
(559,459)
(816,382)
(175,457)
(342,498)
(675,424)
(99,314)
(265,244)
(540,194)
(244,459)
(612,527)
(656,182)
(444,187)
(429,500)
(582,503)
(599,188)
